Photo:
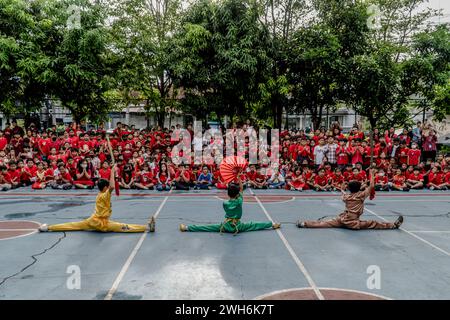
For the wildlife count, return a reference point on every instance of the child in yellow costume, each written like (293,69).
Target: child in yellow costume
(99,221)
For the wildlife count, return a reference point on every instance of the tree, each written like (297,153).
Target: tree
(15,22)
(142,31)
(281,18)
(314,67)
(82,63)
(219,57)
(429,68)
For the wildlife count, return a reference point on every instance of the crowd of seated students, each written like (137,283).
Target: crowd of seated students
(324,160)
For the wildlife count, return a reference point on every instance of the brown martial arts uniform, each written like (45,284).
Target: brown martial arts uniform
(354,208)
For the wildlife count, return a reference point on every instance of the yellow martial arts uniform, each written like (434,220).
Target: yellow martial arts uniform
(99,220)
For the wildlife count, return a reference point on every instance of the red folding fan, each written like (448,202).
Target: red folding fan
(231,166)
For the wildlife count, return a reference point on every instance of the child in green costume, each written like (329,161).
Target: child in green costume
(233,214)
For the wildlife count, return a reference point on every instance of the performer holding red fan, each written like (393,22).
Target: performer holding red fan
(231,169)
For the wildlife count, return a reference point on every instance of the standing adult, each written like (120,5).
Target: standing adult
(429,141)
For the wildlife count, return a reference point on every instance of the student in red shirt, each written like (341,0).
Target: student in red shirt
(366,154)
(356,175)
(251,177)
(163,178)
(83,176)
(337,180)
(381,181)
(183,178)
(303,151)
(321,181)
(63,180)
(408,172)
(105,171)
(447,176)
(342,154)
(296,180)
(27,173)
(348,172)
(127,177)
(357,152)
(85,145)
(145,179)
(5,179)
(261,179)
(415,180)
(413,155)
(403,153)
(40,177)
(3,141)
(14,175)
(398,181)
(435,179)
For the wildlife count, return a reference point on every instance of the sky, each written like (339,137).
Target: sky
(440,4)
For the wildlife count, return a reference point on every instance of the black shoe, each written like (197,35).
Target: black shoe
(300,224)
(398,222)
(151,225)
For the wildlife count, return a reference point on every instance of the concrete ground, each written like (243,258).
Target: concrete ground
(411,263)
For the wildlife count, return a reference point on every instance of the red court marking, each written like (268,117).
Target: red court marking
(328,294)
(17,228)
(262,198)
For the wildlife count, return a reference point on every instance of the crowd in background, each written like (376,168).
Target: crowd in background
(323,160)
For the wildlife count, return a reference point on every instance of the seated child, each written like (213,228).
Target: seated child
(233,214)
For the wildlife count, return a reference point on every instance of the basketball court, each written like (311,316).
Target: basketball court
(289,263)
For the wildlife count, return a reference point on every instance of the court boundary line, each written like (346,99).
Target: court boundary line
(429,231)
(132,255)
(413,235)
(291,251)
(22,235)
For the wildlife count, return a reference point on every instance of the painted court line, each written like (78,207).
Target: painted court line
(133,253)
(414,235)
(429,231)
(17,229)
(292,253)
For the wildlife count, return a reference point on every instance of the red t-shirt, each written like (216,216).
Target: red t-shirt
(337,179)
(104,173)
(436,178)
(146,178)
(413,157)
(303,151)
(14,175)
(66,176)
(186,174)
(342,156)
(3,143)
(447,177)
(419,177)
(29,172)
(5,178)
(381,179)
(321,181)
(398,180)
(44,145)
(251,176)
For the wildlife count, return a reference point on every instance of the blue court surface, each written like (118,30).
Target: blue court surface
(289,263)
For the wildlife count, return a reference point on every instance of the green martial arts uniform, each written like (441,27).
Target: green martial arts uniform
(232,223)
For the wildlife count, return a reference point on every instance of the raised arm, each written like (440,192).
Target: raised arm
(241,186)
(112,178)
